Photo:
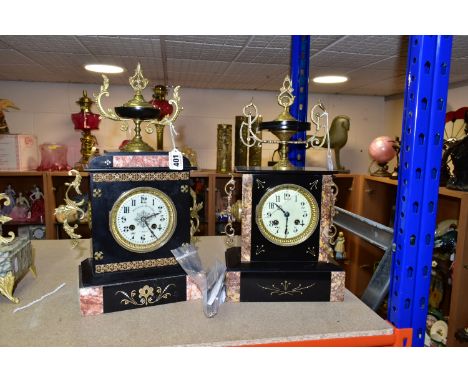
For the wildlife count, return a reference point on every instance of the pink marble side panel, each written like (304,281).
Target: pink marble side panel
(325,251)
(337,288)
(247,183)
(91,301)
(233,286)
(141,161)
(193,293)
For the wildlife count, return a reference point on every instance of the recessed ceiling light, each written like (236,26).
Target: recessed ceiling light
(330,79)
(104,68)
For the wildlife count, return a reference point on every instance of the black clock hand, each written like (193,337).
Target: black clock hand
(283,211)
(286,228)
(147,225)
(151,216)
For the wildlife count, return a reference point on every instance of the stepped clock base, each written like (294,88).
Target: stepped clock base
(107,293)
(282,281)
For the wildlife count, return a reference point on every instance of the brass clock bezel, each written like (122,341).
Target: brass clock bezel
(312,226)
(143,248)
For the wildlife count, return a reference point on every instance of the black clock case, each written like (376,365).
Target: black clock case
(283,281)
(131,281)
(283,274)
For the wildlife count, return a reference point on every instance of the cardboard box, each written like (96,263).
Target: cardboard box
(18,152)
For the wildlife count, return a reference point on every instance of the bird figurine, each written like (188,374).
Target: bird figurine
(5,104)
(338,137)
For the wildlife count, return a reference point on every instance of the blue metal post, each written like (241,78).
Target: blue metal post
(425,103)
(300,52)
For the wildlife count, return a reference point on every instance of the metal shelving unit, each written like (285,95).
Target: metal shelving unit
(426,90)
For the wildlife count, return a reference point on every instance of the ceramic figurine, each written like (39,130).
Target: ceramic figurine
(10,193)
(340,253)
(20,211)
(37,205)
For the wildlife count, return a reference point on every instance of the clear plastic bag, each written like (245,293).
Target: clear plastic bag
(210,282)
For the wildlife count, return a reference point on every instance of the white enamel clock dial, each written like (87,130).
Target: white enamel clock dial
(142,219)
(287,215)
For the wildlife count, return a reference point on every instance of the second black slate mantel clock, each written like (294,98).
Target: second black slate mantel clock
(286,217)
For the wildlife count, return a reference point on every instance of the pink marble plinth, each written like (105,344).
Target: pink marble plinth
(91,301)
(140,161)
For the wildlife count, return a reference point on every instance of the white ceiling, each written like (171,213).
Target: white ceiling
(374,64)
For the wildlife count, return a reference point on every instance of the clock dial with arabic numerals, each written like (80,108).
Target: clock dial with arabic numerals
(143,219)
(287,215)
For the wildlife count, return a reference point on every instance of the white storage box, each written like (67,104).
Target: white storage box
(18,152)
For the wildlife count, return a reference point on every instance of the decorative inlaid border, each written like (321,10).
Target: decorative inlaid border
(139,176)
(337,287)
(247,184)
(132,265)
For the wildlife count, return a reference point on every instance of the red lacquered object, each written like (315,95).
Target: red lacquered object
(86,121)
(159,102)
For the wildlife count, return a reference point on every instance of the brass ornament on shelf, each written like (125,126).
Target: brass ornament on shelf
(285,126)
(5,219)
(72,209)
(224,148)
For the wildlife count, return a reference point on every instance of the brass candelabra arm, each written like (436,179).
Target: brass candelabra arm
(71,208)
(229,228)
(250,111)
(194,217)
(319,118)
(4,219)
(168,119)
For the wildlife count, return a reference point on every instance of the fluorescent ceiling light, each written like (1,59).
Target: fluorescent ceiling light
(104,68)
(330,79)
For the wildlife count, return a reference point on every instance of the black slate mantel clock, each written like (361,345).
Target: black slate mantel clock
(286,218)
(140,212)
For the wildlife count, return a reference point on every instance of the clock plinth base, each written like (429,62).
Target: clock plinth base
(282,281)
(113,292)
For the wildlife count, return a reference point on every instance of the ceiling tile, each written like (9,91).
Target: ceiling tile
(58,44)
(122,45)
(349,60)
(198,51)
(374,45)
(265,56)
(12,57)
(318,43)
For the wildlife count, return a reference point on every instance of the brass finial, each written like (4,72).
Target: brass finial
(159,92)
(138,82)
(85,102)
(285,100)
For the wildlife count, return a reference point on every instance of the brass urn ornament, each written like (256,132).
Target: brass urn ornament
(136,109)
(285,126)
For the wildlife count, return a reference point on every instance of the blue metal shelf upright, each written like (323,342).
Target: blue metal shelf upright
(425,103)
(300,52)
